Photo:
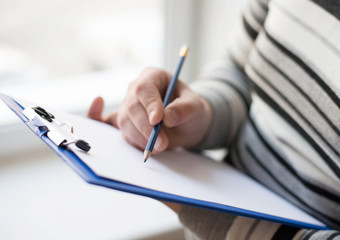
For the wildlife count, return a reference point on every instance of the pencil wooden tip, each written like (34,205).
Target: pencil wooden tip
(147,154)
(184,51)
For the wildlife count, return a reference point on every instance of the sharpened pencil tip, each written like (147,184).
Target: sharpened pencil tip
(147,154)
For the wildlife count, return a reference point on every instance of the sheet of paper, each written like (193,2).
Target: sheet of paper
(177,172)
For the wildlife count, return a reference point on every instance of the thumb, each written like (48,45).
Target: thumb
(180,111)
(96,109)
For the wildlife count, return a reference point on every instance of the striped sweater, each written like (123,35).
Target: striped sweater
(276,103)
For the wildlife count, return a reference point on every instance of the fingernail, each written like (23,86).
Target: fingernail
(158,143)
(171,117)
(152,115)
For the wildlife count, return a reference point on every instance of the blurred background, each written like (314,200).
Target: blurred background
(63,54)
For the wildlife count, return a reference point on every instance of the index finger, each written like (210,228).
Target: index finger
(151,100)
(149,91)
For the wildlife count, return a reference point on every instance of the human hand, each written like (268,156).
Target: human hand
(173,206)
(186,120)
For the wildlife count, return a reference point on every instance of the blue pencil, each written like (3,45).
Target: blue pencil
(155,131)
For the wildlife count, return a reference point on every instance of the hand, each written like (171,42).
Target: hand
(186,120)
(173,206)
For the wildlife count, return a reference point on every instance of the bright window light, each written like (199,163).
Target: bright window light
(61,54)
(42,39)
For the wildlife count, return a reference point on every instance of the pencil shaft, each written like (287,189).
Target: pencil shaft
(166,101)
(153,136)
(172,83)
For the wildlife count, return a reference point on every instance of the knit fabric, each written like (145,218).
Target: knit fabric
(276,103)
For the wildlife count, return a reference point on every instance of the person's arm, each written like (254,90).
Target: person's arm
(227,89)
(225,86)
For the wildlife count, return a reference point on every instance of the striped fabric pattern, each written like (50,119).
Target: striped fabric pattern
(276,102)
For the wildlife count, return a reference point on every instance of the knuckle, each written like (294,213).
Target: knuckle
(199,106)
(192,106)
(126,138)
(132,107)
(149,70)
(132,141)
(187,111)
(146,130)
(121,121)
(152,73)
(139,89)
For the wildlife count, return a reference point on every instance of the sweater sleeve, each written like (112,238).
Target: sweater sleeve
(225,86)
(228,90)
(224,83)
(208,224)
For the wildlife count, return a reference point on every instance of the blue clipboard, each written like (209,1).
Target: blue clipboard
(89,176)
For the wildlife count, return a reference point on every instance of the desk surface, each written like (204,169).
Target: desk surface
(42,198)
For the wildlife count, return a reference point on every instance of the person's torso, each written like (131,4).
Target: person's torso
(291,141)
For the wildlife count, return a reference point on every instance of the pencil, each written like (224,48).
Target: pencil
(155,131)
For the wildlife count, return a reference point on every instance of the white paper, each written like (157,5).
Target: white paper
(179,172)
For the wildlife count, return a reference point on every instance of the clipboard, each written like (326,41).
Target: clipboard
(84,162)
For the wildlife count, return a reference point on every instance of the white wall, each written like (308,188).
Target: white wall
(204,25)
(69,37)
(215,19)
(60,36)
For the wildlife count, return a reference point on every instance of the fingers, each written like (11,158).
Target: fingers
(132,135)
(136,129)
(162,142)
(149,90)
(96,109)
(182,109)
(137,114)
(141,109)
(150,98)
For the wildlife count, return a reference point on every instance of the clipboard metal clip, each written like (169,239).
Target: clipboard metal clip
(37,114)
(43,113)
